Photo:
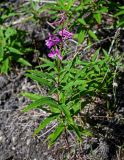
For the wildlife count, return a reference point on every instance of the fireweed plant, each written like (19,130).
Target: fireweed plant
(72,85)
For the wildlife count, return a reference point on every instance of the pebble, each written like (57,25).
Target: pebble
(3,81)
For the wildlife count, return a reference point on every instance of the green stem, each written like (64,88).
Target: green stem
(58,82)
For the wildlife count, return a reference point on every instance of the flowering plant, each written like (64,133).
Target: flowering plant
(54,40)
(71,84)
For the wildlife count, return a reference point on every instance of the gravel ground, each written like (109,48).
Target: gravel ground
(16,128)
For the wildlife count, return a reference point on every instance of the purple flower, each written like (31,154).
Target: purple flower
(54,53)
(65,34)
(52,41)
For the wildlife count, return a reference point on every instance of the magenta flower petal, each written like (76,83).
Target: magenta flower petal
(55,53)
(65,34)
(52,54)
(58,54)
(49,43)
(60,57)
(52,41)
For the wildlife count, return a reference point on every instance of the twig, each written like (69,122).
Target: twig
(105,75)
(49,130)
(71,135)
(113,41)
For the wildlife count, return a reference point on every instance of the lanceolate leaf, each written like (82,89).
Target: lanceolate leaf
(39,80)
(121,23)
(2,44)
(47,63)
(76,107)
(75,128)
(10,32)
(45,122)
(56,134)
(98,17)
(24,62)
(81,36)
(67,113)
(95,56)
(14,50)
(68,86)
(40,102)
(120,13)
(92,34)
(5,66)
(41,74)
(31,96)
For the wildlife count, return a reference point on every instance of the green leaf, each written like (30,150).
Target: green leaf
(14,50)
(76,107)
(86,132)
(47,63)
(24,62)
(4,16)
(120,23)
(64,5)
(119,13)
(39,80)
(97,17)
(78,82)
(41,74)
(56,134)
(10,32)
(2,44)
(31,96)
(103,9)
(75,128)
(40,102)
(92,34)
(81,36)
(97,68)
(45,122)
(5,66)
(121,7)
(95,56)
(67,114)
(68,86)
(82,21)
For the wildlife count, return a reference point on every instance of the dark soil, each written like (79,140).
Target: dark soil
(16,128)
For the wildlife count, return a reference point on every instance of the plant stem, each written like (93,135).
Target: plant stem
(67,142)
(58,82)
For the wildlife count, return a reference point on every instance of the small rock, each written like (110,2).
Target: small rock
(3,81)
(28,141)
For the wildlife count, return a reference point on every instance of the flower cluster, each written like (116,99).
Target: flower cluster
(54,40)
(65,34)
